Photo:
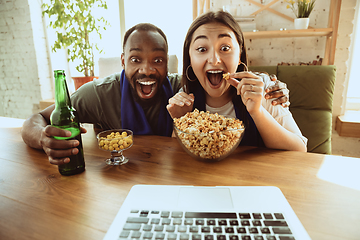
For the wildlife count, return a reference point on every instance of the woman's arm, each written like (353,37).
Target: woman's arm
(274,135)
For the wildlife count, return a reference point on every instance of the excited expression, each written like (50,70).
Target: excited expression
(214,50)
(145,63)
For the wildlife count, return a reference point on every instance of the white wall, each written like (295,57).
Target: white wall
(24,70)
(263,52)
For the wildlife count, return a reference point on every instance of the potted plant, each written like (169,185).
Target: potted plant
(302,10)
(75,24)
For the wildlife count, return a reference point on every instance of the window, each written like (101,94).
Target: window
(353,94)
(110,43)
(173,17)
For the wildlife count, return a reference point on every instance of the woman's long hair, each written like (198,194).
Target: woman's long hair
(227,20)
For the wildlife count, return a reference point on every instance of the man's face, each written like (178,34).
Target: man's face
(145,62)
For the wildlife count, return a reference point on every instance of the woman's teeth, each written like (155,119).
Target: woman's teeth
(216,71)
(214,76)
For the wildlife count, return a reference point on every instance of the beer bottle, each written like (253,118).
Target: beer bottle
(65,116)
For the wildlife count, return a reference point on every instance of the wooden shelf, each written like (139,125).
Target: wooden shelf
(289,33)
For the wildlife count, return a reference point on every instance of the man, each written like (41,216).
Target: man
(136,99)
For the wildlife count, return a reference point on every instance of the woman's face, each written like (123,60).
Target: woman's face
(214,50)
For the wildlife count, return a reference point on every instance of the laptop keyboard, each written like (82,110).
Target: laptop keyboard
(175,225)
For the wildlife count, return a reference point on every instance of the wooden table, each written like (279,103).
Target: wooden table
(36,202)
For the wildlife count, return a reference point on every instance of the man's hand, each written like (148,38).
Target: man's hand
(58,150)
(278,91)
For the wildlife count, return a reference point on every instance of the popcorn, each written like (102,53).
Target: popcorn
(208,135)
(226,76)
(115,141)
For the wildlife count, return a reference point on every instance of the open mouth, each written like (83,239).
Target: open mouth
(146,87)
(215,77)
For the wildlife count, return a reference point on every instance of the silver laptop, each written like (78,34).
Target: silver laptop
(162,212)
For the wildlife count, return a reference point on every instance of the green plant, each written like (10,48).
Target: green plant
(301,8)
(74,23)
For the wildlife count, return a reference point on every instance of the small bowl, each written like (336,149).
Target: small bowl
(115,141)
(211,146)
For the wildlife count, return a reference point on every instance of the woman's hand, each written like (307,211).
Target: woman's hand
(250,88)
(180,104)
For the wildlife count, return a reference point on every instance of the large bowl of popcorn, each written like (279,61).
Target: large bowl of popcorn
(206,136)
(115,141)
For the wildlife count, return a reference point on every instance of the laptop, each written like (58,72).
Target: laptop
(177,212)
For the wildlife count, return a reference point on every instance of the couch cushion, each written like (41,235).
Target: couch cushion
(311,97)
(311,87)
(316,126)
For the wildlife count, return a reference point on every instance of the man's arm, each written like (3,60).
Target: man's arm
(33,127)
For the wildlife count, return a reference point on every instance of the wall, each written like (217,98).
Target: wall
(24,74)
(262,52)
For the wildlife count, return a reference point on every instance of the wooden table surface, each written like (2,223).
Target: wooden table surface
(36,202)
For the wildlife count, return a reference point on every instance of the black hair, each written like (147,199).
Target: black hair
(144,27)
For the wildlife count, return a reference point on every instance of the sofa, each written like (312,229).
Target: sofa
(311,99)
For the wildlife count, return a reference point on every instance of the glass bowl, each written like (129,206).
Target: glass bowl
(207,144)
(115,141)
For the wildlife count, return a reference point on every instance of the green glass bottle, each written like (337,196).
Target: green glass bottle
(65,116)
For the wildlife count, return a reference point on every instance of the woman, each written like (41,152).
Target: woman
(214,45)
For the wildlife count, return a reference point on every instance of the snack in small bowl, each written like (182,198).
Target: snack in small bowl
(206,136)
(115,141)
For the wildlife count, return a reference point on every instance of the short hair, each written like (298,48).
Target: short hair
(144,27)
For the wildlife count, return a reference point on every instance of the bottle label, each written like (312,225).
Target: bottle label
(74,132)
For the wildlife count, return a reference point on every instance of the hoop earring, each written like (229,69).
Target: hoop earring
(246,68)
(187,76)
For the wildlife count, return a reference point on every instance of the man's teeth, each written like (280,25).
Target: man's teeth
(147,82)
(215,71)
